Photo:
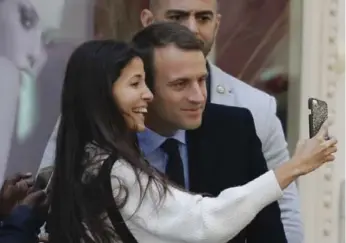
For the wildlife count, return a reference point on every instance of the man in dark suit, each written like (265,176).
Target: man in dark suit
(202,147)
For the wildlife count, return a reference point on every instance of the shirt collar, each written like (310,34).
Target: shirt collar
(149,140)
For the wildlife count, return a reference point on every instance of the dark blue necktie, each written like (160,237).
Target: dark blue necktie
(174,168)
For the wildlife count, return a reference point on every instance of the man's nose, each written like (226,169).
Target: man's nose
(198,94)
(192,24)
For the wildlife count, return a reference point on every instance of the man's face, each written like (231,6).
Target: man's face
(179,90)
(200,16)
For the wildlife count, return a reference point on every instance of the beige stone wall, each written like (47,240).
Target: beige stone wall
(317,62)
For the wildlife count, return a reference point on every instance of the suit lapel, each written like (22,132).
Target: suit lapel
(209,83)
(200,154)
(193,157)
(220,88)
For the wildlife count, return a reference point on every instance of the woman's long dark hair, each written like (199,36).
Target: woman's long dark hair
(90,115)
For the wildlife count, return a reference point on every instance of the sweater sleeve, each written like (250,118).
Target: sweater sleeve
(185,217)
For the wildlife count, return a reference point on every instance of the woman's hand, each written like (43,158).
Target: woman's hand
(309,155)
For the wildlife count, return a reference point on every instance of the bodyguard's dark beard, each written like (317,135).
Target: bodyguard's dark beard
(206,50)
(206,46)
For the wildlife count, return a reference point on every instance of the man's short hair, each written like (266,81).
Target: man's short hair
(155,4)
(159,35)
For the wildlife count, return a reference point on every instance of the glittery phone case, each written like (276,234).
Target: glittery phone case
(318,115)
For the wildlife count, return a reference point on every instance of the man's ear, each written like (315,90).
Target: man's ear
(147,17)
(218,21)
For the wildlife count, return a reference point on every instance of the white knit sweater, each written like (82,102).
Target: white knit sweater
(183,217)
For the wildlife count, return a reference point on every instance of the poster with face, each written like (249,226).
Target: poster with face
(32,64)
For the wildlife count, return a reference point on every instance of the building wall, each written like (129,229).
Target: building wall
(317,70)
(249,32)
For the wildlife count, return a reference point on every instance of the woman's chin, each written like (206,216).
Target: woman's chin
(139,127)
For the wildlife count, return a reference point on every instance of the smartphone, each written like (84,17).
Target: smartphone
(318,115)
(48,186)
(43,178)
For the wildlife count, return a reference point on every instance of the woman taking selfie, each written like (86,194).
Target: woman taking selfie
(99,168)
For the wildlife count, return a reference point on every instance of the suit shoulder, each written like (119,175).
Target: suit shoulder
(227,121)
(246,88)
(246,95)
(226,113)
